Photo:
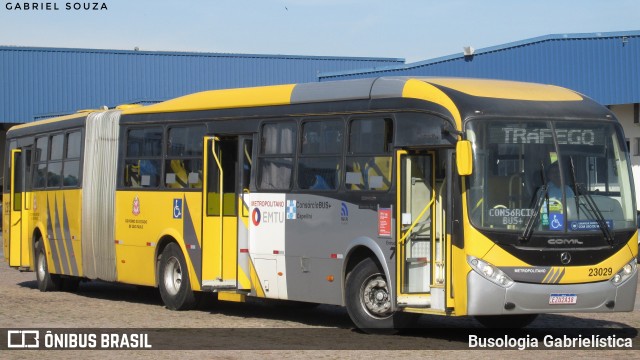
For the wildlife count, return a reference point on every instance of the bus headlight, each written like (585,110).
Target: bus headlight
(625,272)
(490,272)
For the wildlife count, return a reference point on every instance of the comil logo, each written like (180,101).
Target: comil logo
(23,339)
(564,242)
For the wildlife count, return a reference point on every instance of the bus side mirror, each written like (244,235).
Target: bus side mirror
(464,158)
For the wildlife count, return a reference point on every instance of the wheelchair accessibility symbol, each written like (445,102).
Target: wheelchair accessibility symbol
(177,208)
(556,221)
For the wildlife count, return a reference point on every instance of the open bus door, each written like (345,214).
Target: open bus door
(421,237)
(19,252)
(227,169)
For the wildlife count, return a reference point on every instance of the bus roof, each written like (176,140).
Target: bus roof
(352,90)
(456,95)
(78,115)
(422,88)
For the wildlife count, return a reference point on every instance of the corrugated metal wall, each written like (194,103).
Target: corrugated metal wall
(41,82)
(603,66)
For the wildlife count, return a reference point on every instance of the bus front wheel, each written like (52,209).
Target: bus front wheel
(174,284)
(368,299)
(46,281)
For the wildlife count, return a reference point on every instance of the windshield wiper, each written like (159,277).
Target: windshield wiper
(575,186)
(542,194)
(595,211)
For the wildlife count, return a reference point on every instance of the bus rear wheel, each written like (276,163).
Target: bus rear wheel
(174,284)
(46,281)
(368,299)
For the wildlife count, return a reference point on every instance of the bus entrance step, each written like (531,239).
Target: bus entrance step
(214,285)
(414,301)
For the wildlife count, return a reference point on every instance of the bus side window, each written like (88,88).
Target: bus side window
(54,167)
(71,171)
(131,175)
(183,173)
(141,173)
(143,159)
(369,161)
(277,150)
(40,163)
(183,167)
(319,166)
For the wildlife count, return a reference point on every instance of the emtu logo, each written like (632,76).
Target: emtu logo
(256,216)
(344,213)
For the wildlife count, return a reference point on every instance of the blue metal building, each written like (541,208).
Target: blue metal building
(44,82)
(603,66)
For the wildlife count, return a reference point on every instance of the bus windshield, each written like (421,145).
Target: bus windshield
(551,176)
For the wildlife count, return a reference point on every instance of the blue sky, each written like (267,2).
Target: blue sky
(410,29)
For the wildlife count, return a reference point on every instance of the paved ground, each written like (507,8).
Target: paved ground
(104,305)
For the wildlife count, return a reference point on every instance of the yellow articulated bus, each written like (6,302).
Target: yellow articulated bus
(390,196)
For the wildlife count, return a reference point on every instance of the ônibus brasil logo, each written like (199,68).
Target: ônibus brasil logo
(256,216)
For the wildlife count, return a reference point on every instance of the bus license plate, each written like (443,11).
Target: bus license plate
(563,299)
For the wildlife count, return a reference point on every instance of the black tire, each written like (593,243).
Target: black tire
(506,321)
(368,300)
(173,279)
(46,281)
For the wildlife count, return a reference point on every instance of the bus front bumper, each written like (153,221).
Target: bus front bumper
(487,298)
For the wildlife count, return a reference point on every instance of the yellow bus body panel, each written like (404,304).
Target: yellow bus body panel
(57,215)
(509,90)
(222,99)
(5,226)
(211,249)
(418,89)
(633,245)
(141,227)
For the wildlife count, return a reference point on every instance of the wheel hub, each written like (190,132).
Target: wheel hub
(375,296)
(41,265)
(173,276)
